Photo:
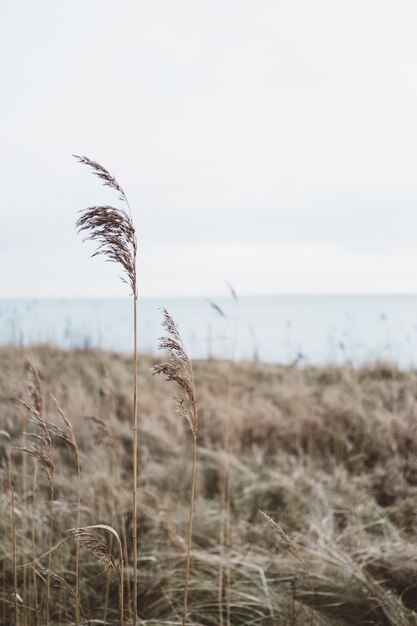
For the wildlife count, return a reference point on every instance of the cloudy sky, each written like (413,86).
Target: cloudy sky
(270,143)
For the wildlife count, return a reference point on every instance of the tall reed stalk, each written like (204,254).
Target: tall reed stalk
(13,527)
(179,370)
(113,230)
(225,539)
(33,539)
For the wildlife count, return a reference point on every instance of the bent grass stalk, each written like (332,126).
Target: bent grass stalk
(293,549)
(179,370)
(103,554)
(113,230)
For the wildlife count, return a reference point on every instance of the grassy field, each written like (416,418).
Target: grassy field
(328,453)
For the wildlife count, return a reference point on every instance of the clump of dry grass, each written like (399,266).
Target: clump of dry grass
(66,434)
(41,452)
(349,509)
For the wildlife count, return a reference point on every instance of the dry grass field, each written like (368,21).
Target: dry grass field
(330,454)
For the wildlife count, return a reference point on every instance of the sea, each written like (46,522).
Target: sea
(286,329)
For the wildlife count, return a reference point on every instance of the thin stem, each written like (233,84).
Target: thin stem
(48,579)
(26,580)
(224,574)
(135,459)
(77,548)
(190,532)
(225,523)
(125,554)
(35,582)
(13,521)
(121,576)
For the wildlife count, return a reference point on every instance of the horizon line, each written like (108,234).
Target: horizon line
(223,295)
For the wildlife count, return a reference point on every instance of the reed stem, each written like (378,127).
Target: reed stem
(190,533)
(77,548)
(135,461)
(13,524)
(48,579)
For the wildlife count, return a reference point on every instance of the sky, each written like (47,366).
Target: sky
(269,143)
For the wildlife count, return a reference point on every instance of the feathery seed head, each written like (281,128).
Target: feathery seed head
(34,387)
(103,174)
(287,541)
(179,370)
(97,546)
(112,228)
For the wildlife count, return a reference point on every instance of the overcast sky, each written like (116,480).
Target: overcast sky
(270,143)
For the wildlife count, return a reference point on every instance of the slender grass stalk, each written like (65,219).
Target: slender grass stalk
(225,525)
(4,605)
(112,228)
(179,370)
(51,530)
(135,460)
(104,555)
(34,575)
(13,527)
(77,550)
(225,540)
(25,519)
(293,549)
(190,532)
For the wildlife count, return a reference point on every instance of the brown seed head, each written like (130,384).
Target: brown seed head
(97,546)
(178,369)
(112,228)
(280,532)
(34,387)
(103,174)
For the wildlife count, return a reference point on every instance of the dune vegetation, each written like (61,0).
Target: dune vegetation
(259,495)
(327,454)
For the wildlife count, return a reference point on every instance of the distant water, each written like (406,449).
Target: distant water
(280,329)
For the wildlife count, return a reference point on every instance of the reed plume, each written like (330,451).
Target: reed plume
(293,549)
(103,553)
(111,227)
(179,370)
(286,540)
(113,230)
